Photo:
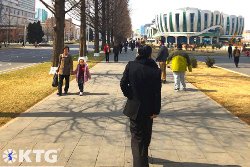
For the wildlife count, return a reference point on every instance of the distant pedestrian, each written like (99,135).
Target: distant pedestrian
(120,47)
(116,52)
(162,58)
(141,84)
(23,44)
(230,51)
(180,63)
(106,50)
(132,45)
(64,70)
(82,74)
(236,54)
(126,46)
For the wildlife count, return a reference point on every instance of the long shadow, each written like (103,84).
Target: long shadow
(197,90)
(88,94)
(167,163)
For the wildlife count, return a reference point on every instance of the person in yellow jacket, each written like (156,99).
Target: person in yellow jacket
(180,63)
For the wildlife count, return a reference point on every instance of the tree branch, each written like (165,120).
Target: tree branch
(48,6)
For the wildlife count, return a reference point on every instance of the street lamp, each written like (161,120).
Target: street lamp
(25,30)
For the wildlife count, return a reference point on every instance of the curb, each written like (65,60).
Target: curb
(26,111)
(232,71)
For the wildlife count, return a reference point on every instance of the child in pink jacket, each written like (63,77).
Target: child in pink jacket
(82,74)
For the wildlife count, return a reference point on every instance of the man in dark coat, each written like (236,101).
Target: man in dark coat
(162,58)
(230,51)
(141,84)
(116,50)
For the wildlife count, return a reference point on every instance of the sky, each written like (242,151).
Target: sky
(144,11)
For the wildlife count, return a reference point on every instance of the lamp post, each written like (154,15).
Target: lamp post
(25,31)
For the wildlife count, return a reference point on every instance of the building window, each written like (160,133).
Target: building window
(192,22)
(184,22)
(228,26)
(237,24)
(217,17)
(199,22)
(166,22)
(177,22)
(206,20)
(233,24)
(161,23)
(171,22)
(212,20)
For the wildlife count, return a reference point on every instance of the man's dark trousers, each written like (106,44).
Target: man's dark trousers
(107,57)
(141,132)
(116,57)
(60,83)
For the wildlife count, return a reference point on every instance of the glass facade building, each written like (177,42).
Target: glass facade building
(193,22)
(41,15)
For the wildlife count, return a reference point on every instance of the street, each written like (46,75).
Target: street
(225,62)
(11,59)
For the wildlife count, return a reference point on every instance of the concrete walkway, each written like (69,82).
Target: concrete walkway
(191,131)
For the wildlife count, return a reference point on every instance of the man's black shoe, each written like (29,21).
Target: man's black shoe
(59,94)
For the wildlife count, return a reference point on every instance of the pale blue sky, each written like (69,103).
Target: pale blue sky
(143,11)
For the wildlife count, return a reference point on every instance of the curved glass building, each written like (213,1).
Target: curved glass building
(192,25)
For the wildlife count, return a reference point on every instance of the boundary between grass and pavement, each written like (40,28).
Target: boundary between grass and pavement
(232,71)
(52,93)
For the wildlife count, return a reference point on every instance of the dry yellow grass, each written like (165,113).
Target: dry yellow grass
(23,88)
(227,88)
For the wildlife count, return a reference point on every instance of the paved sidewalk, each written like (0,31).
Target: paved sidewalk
(88,131)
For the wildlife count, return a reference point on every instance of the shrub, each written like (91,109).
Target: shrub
(194,62)
(210,61)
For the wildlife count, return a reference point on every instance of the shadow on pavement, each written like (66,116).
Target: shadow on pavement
(167,163)
(197,90)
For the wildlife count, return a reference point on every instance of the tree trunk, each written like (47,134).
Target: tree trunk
(96,27)
(58,31)
(108,22)
(103,23)
(83,47)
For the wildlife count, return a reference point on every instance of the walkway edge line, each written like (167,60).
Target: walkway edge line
(28,110)
(232,71)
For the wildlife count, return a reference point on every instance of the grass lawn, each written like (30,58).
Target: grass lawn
(228,89)
(23,88)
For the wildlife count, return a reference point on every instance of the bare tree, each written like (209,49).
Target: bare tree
(58,9)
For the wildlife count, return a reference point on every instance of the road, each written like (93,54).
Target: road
(12,59)
(225,62)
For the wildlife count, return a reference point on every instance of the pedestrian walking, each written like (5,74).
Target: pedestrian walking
(64,70)
(126,46)
(82,74)
(230,51)
(236,54)
(133,45)
(141,84)
(120,47)
(162,58)
(106,50)
(116,52)
(180,64)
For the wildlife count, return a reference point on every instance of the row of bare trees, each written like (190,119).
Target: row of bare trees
(110,18)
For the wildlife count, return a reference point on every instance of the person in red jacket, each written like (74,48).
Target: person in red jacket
(106,50)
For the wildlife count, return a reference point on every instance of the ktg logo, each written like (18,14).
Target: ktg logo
(10,156)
